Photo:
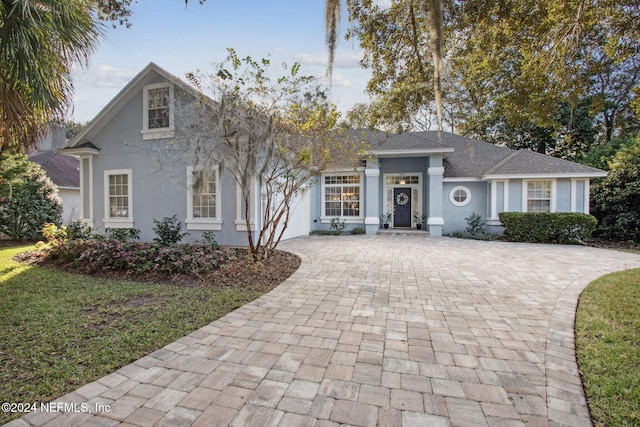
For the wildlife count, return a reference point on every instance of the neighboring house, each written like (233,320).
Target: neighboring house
(62,169)
(129,176)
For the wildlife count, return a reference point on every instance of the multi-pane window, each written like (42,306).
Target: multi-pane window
(342,195)
(403,180)
(159,107)
(204,195)
(119,196)
(539,196)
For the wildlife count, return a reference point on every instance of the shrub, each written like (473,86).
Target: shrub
(548,227)
(168,230)
(123,234)
(78,230)
(357,230)
(209,240)
(55,236)
(96,256)
(337,226)
(475,224)
(28,198)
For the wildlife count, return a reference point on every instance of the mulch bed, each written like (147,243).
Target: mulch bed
(244,271)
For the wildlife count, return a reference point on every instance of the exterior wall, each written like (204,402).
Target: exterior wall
(454,216)
(70,204)
(300,217)
(571,195)
(316,207)
(158,181)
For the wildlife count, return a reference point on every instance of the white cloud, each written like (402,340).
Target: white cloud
(383,4)
(104,76)
(341,60)
(340,80)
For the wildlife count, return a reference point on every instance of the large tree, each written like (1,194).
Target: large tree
(517,62)
(40,41)
(278,132)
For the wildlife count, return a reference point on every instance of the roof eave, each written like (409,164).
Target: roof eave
(547,175)
(81,151)
(410,152)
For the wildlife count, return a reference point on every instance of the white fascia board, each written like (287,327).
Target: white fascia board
(547,175)
(462,179)
(410,153)
(81,151)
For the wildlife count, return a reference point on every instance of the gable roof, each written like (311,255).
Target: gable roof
(63,170)
(470,158)
(530,163)
(409,143)
(144,77)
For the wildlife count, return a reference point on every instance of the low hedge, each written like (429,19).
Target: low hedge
(548,227)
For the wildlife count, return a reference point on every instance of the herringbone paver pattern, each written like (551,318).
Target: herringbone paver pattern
(373,330)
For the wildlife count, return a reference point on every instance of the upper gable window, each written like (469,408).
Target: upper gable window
(158,111)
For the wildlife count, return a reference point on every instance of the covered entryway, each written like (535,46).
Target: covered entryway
(402,195)
(402,207)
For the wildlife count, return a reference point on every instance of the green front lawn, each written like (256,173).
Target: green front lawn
(608,348)
(59,331)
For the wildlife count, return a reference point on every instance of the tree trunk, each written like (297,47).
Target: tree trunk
(434,12)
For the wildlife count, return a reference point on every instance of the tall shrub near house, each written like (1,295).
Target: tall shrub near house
(616,199)
(28,198)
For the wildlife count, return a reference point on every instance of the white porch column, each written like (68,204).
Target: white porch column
(372,200)
(435,221)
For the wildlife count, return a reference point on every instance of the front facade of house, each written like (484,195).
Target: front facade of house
(130,175)
(440,179)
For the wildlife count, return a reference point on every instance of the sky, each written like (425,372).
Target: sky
(185,39)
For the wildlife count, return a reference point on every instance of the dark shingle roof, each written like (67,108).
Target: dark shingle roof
(408,141)
(63,170)
(524,162)
(470,158)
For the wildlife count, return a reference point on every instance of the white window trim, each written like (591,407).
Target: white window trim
(241,223)
(585,195)
(161,132)
(204,224)
(118,222)
(453,201)
(324,219)
(494,219)
(525,186)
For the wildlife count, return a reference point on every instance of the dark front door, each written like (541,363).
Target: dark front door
(402,207)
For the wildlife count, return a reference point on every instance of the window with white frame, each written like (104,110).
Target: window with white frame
(204,195)
(158,111)
(342,195)
(118,198)
(459,196)
(539,196)
(203,200)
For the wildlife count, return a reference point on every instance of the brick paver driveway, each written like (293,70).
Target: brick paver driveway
(374,330)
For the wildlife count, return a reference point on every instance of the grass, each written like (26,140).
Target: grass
(59,331)
(608,348)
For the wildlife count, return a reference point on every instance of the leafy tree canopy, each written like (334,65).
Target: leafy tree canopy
(616,199)
(28,198)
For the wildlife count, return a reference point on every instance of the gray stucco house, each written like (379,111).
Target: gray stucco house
(439,176)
